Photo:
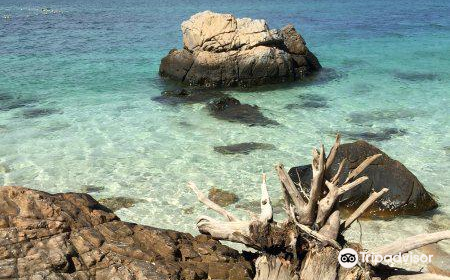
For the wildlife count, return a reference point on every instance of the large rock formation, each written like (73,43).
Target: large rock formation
(72,236)
(406,194)
(221,50)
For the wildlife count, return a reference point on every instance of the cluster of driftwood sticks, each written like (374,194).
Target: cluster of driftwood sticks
(306,245)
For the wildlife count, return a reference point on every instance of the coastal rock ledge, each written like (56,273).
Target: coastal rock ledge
(72,236)
(222,50)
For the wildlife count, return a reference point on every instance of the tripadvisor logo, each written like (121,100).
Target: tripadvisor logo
(348,258)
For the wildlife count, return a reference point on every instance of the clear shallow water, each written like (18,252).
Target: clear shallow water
(76,107)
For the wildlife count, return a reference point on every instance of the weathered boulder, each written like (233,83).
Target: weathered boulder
(72,236)
(221,50)
(208,31)
(406,194)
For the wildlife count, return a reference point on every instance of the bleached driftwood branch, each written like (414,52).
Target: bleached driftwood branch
(314,228)
(408,244)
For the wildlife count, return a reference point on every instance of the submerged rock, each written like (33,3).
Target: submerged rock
(178,96)
(307,105)
(119,202)
(382,135)
(368,117)
(91,189)
(39,112)
(10,103)
(72,236)
(4,168)
(222,197)
(416,76)
(406,194)
(231,109)
(309,101)
(5,96)
(243,148)
(221,50)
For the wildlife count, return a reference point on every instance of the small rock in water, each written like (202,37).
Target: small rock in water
(40,112)
(231,109)
(307,105)
(179,96)
(10,103)
(5,96)
(309,101)
(188,210)
(369,117)
(222,197)
(119,202)
(243,148)
(312,97)
(362,88)
(185,124)
(416,76)
(91,189)
(4,168)
(382,135)
(314,104)
(446,149)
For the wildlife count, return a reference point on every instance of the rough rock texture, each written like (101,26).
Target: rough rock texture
(406,194)
(72,236)
(222,197)
(221,50)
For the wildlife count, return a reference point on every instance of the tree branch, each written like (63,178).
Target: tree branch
(290,189)
(363,207)
(405,245)
(361,167)
(210,204)
(333,152)
(266,206)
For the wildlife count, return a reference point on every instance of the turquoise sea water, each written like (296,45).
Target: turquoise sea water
(77,81)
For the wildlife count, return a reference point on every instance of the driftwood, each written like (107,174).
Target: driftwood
(307,244)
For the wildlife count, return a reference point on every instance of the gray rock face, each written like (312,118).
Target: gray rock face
(72,236)
(406,194)
(221,50)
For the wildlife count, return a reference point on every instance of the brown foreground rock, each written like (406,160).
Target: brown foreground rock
(72,236)
(406,194)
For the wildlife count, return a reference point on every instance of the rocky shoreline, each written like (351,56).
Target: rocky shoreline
(221,50)
(72,236)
